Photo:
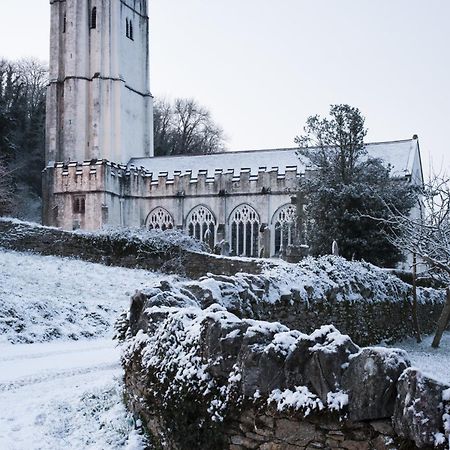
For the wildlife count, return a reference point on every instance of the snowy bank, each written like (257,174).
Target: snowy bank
(43,298)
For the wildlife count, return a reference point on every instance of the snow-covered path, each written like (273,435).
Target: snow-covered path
(63,395)
(434,362)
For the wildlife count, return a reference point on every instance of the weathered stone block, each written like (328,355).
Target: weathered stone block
(221,345)
(355,445)
(244,442)
(262,370)
(295,432)
(383,443)
(329,355)
(419,408)
(371,380)
(383,427)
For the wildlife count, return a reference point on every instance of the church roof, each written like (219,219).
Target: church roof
(402,156)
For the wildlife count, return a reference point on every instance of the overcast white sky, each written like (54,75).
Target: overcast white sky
(263,66)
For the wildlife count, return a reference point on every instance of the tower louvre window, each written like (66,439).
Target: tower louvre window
(94,17)
(64,23)
(129,28)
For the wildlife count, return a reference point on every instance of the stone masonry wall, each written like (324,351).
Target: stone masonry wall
(205,379)
(119,250)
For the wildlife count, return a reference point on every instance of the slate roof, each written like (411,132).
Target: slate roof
(403,156)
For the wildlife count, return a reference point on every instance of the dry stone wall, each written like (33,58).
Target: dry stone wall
(171,253)
(206,379)
(356,298)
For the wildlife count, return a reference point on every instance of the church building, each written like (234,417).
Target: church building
(100,169)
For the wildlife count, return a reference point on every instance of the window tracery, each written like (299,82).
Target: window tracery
(244,225)
(284,226)
(201,224)
(160,219)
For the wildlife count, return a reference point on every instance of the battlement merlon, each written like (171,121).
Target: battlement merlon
(134,182)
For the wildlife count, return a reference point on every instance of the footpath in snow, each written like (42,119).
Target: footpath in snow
(63,393)
(434,362)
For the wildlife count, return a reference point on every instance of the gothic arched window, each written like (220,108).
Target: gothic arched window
(160,219)
(244,231)
(94,18)
(201,224)
(283,223)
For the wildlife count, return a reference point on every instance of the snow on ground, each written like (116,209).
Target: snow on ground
(63,393)
(46,297)
(434,362)
(66,393)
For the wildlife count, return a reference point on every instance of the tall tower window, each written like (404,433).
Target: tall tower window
(64,23)
(129,27)
(94,18)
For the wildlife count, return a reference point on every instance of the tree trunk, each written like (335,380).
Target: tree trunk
(414,303)
(443,321)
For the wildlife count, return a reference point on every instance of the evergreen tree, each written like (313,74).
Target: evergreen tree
(346,188)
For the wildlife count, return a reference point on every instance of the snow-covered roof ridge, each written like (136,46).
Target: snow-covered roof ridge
(401,155)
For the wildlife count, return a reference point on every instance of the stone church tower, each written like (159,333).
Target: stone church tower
(99,104)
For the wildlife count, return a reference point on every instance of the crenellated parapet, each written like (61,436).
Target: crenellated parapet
(120,180)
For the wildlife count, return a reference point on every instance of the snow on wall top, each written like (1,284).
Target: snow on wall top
(401,155)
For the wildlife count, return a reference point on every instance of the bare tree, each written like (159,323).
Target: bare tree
(185,127)
(427,235)
(6,190)
(33,75)
(22,121)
